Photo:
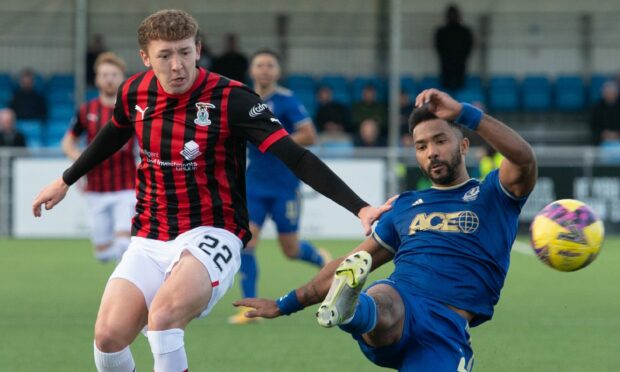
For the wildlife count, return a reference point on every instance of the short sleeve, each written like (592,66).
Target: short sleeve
(385,233)
(77,125)
(492,181)
(120,117)
(297,113)
(249,117)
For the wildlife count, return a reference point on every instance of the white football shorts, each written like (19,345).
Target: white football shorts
(110,213)
(147,262)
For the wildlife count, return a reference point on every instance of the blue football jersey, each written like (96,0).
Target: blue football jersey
(453,244)
(266,174)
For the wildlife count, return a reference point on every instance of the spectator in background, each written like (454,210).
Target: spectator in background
(96,47)
(331,117)
(406,108)
(369,134)
(27,103)
(206,56)
(454,42)
(9,136)
(368,107)
(232,63)
(605,116)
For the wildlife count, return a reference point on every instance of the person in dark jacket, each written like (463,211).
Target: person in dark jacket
(27,103)
(454,42)
(605,115)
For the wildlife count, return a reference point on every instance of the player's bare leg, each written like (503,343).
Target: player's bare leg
(296,250)
(182,297)
(390,316)
(122,314)
(249,276)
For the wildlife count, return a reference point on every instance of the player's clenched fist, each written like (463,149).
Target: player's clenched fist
(51,195)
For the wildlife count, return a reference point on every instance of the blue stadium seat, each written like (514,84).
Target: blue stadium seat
(6,82)
(339,86)
(61,81)
(360,82)
(473,81)
(32,130)
(428,82)
(61,112)
(407,84)
(5,95)
(596,84)
(569,93)
(60,96)
(536,92)
(503,94)
(470,95)
(55,132)
(297,82)
(39,83)
(91,93)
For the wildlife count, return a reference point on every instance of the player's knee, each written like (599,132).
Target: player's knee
(164,317)
(390,315)
(107,340)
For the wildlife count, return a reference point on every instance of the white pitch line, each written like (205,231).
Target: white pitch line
(522,248)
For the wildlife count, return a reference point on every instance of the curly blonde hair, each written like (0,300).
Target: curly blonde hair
(168,25)
(111,58)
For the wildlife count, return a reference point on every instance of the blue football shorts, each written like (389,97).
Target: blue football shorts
(283,209)
(435,338)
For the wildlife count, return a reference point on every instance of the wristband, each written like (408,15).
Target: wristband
(469,117)
(289,304)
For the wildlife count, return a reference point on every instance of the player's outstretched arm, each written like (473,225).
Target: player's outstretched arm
(109,140)
(518,171)
(315,290)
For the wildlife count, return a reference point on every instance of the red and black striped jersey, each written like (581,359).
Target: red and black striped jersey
(117,172)
(193,152)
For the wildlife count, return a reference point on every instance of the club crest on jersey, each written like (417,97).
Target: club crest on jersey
(202,116)
(190,150)
(472,194)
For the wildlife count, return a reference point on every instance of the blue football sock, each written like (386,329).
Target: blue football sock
(364,318)
(249,273)
(309,253)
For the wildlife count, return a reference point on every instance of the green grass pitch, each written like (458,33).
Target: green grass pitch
(545,321)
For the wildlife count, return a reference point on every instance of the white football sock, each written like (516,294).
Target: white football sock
(121,361)
(168,350)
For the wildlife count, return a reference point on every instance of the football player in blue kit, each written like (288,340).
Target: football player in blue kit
(450,245)
(272,189)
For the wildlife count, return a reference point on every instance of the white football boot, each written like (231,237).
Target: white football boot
(341,300)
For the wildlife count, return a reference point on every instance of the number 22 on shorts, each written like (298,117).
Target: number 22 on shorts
(219,252)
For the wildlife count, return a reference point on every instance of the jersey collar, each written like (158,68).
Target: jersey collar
(451,187)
